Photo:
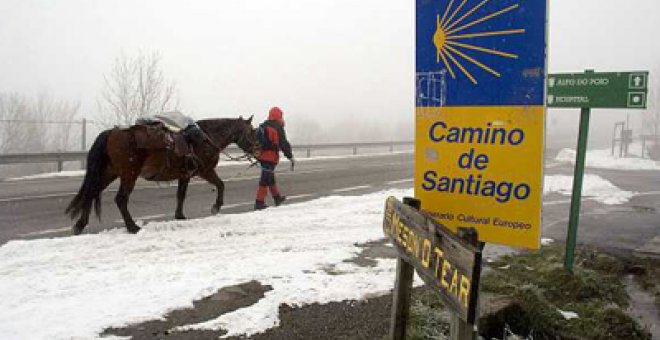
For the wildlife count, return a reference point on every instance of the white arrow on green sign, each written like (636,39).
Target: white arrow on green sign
(613,90)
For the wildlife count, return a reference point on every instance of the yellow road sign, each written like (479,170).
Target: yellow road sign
(481,167)
(481,75)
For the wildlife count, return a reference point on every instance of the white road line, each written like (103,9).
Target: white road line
(359,187)
(293,197)
(45,232)
(151,217)
(553,165)
(235,205)
(408,180)
(196,182)
(147,217)
(24,198)
(557,202)
(650,193)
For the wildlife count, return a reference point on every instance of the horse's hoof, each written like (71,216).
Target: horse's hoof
(133,229)
(215,209)
(77,229)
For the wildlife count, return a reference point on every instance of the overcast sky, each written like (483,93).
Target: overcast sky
(326,61)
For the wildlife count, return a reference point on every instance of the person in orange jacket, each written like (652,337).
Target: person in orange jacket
(272,138)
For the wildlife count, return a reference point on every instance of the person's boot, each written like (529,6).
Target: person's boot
(279,199)
(259,205)
(261,198)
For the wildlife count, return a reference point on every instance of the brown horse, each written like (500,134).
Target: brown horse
(116,154)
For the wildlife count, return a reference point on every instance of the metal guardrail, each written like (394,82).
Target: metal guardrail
(72,156)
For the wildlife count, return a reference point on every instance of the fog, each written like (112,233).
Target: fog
(342,70)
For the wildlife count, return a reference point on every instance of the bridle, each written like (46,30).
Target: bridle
(242,139)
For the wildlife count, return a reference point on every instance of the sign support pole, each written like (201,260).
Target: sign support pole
(402,289)
(460,252)
(459,329)
(576,198)
(401,299)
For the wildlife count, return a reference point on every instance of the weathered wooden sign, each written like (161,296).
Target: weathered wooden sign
(441,258)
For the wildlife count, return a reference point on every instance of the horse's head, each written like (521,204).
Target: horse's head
(246,138)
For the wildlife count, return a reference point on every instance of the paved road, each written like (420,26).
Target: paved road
(34,208)
(627,227)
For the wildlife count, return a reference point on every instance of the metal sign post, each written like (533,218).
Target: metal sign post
(609,90)
(576,200)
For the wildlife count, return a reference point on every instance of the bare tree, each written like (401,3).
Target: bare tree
(55,120)
(36,124)
(136,87)
(13,109)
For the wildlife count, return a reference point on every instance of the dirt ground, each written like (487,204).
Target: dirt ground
(349,320)
(368,319)
(346,320)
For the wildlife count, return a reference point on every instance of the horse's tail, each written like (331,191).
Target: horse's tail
(90,190)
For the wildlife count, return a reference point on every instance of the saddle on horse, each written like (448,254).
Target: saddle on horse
(172,131)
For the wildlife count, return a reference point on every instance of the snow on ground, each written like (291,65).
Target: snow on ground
(71,173)
(593,186)
(74,287)
(224,161)
(603,159)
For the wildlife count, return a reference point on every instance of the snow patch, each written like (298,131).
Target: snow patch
(61,174)
(74,287)
(568,315)
(593,186)
(603,159)
(545,241)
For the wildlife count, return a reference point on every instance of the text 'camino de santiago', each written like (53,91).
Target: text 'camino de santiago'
(475,184)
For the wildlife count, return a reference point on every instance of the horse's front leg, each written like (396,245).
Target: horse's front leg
(125,188)
(180,197)
(212,177)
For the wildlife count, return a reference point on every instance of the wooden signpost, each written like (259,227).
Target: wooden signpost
(479,142)
(443,260)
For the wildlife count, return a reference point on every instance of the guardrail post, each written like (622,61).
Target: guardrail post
(391,148)
(309,153)
(355,150)
(643,145)
(60,165)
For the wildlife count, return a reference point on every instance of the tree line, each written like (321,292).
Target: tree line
(135,86)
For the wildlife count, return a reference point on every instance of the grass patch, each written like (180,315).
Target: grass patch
(541,287)
(538,287)
(428,319)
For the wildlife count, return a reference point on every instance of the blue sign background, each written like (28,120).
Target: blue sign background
(522,80)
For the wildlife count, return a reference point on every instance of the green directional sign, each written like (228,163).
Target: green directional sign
(613,90)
